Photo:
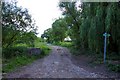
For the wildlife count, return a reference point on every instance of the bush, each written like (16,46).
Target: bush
(64,44)
(13,51)
(21,44)
(43,46)
(14,57)
(113,67)
(16,62)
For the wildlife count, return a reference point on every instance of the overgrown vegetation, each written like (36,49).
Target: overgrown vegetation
(114,67)
(64,44)
(19,36)
(42,45)
(15,57)
(86,23)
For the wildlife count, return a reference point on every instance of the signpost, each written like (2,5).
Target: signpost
(105,42)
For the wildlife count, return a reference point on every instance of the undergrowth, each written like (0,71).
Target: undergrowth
(97,58)
(64,44)
(14,57)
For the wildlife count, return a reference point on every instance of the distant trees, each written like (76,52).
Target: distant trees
(48,35)
(17,25)
(58,31)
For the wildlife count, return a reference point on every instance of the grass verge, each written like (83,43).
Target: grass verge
(112,61)
(10,64)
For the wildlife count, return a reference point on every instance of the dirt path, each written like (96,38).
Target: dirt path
(57,65)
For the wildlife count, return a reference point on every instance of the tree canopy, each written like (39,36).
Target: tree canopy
(57,32)
(16,23)
(86,25)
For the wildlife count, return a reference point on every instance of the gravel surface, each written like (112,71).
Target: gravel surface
(57,65)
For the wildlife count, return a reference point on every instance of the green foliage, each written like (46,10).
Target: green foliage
(19,61)
(13,52)
(45,48)
(59,28)
(19,34)
(88,25)
(17,24)
(16,62)
(113,56)
(64,44)
(57,32)
(15,57)
(27,38)
(113,67)
(21,44)
(48,35)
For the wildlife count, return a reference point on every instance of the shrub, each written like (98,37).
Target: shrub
(113,67)
(64,44)
(14,57)
(16,62)
(13,51)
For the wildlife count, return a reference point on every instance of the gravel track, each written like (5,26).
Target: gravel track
(56,65)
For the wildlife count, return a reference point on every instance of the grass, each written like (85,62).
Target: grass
(64,44)
(22,44)
(43,46)
(17,62)
(10,64)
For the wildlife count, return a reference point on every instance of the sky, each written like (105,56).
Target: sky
(44,12)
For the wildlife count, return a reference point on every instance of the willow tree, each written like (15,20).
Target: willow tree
(96,30)
(90,23)
(113,26)
(98,18)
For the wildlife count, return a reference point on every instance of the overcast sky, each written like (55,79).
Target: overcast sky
(43,11)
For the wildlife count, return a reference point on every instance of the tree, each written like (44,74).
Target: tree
(58,31)
(72,16)
(87,25)
(48,35)
(15,22)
